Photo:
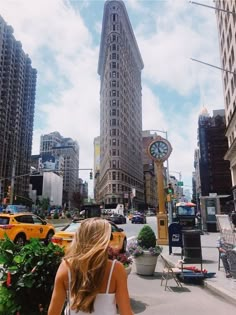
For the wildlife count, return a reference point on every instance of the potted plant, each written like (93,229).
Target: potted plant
(124,258)
(27,276)
(145,251)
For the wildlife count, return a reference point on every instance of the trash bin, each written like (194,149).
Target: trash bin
(211,227)
(192,250)
(233,218)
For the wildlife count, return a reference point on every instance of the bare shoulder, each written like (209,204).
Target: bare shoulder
(62,272)
(119,269)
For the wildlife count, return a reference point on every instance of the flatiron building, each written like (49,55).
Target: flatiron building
(120,65)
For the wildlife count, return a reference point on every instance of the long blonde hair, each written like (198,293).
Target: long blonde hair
(87,259)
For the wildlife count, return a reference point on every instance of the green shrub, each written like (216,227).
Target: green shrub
(146,237)
(27,276)
(55,215)
(146,241)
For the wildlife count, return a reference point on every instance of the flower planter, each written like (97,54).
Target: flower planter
(128,270)
(145,264)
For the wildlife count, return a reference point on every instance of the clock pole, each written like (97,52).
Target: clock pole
(159,150)
(162,219)
(160,187)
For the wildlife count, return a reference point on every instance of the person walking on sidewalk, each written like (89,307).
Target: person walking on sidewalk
(91,282)
(223,247)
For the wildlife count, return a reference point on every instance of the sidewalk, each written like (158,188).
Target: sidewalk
(147,287)
(225,287)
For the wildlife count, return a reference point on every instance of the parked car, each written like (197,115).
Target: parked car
(117,218)
(131,214)
(64,237)
(139,218)
(20,227)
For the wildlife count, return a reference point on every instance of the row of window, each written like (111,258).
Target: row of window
(231,58)
(223,17)
(231,112)
(231,90)
(117,188)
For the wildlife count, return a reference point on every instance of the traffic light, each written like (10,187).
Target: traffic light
(91,175)
(169,192)
(170,189)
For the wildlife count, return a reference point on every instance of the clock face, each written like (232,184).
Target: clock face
(159,150)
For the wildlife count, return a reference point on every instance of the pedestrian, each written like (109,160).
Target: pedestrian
(93,283)
(223,247)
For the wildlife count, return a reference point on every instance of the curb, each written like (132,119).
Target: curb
(225,294)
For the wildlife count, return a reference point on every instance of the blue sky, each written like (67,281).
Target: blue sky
(62,38)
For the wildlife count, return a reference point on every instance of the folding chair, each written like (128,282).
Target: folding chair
(232,262)
(169,272)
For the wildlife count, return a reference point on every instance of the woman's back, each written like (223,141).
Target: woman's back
(91,272)
(105,302)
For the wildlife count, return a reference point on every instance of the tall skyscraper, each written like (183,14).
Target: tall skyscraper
(214,170)
(17,99)
(226,22)
(54,144)
(120,65)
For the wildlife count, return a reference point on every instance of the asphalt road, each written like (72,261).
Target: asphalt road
(133,229)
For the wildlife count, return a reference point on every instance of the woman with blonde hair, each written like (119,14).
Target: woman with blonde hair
(91,282)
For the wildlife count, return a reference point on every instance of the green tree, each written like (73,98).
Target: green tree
(45,203)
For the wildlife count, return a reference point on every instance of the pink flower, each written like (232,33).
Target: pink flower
(8,279)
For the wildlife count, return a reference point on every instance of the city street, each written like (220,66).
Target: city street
(149,297)
(133,229)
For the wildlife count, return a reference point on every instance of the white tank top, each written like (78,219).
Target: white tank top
(104,304)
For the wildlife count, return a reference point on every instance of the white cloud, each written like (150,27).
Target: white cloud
(177,31)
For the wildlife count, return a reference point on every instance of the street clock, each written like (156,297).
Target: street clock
(159,149)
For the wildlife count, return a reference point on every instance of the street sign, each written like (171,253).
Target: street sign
(180,183)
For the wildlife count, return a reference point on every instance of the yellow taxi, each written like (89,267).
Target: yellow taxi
(20,227)
(64,237)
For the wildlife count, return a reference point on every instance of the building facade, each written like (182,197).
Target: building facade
(47,185)
(214,171)
(67,148)
(120,65)
(226,23)
(17,101)
(82,188)
(96,168)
